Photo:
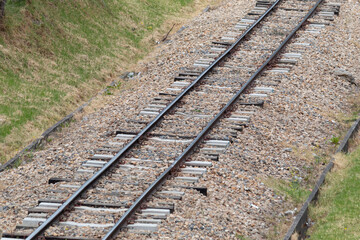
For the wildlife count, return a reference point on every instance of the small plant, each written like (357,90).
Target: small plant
(291,190)
(67,123)
(317,159)
(277,32)
(335,140)
(29,155)
(322,159)
(17,163)
(108,91)
(241,237)
(274,233)
(108,88)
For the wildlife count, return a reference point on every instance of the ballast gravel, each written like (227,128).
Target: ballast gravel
(285,141)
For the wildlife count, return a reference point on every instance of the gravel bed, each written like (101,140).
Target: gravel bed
(21,187)
(300,114)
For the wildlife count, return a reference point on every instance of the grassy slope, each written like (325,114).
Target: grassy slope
(337,213)
(55,54)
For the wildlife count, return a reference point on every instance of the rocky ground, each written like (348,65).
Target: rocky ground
(296,125)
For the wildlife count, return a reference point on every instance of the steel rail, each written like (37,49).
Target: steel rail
(70,201)
(177,163)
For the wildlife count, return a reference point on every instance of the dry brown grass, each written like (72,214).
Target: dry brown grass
(180,19)
(355,142)
(20,137)
(340,162)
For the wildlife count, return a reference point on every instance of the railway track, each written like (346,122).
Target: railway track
(134,180)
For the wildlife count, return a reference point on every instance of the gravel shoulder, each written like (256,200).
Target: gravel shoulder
(302,114)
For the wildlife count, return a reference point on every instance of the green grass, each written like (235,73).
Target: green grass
(292,191)
(335,140)
(337,212)
(56,54)
(241,237)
